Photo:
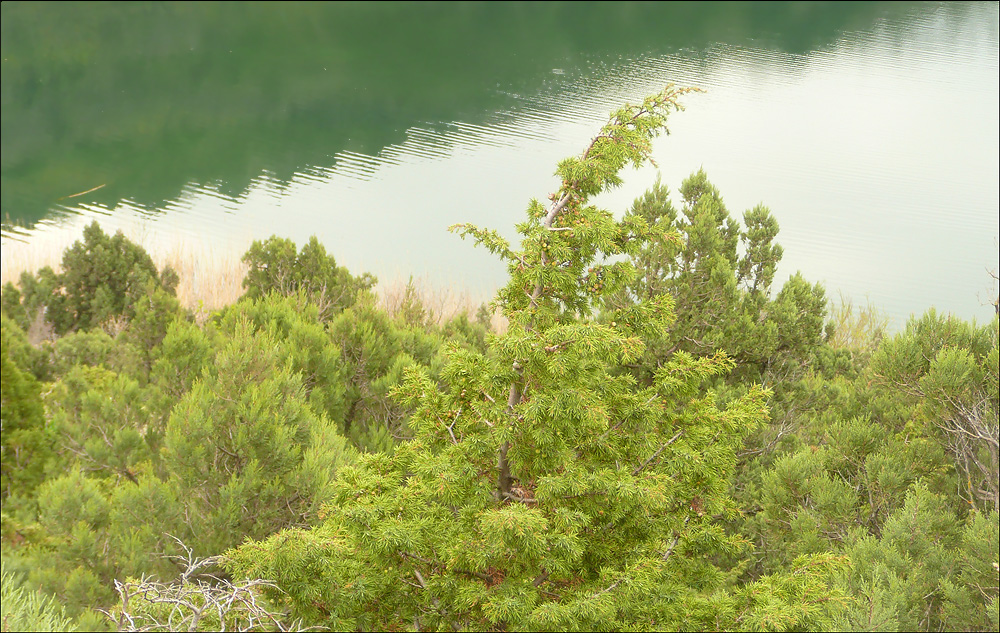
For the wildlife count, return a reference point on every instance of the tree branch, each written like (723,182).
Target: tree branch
(642,466)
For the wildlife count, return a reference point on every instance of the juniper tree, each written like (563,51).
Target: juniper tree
(721,278)
(544,489)
(26,442)
(243,447)
(926,571)
(309,275)
(27,610)
(951,369)
(101,280)
(375,350)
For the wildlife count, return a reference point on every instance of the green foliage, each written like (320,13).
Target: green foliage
(310,275)
(376,350)
(459,330)
(177,363)
(26,610)
(95,531)
(102,422)
(126,477)
(719,279)
(796,600)
(93,348)
(295,326)
(950,370)
(34,359)
(152,314)
(804,507)
(971,594)
(349,364)
(544,489)
(854,477)
(871,475)
(847,466)
(10,306)
(722,298)
(236,444)
(101,280)
(27,440)
(927,571)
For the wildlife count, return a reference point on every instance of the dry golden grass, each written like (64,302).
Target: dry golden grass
(857,328)
(440,303)
(18,257)
(211,277)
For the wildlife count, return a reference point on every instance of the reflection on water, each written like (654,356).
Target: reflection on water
(872,136)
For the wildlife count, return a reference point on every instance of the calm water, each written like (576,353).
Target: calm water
(869,129)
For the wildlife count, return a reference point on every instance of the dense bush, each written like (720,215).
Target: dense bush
(275,266)
(543,489)
(611,460)
(27,610)
(240,445)
(27,440)
(102,279)
(723,299)
(950,369)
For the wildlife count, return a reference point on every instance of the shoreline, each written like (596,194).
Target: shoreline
(211,276)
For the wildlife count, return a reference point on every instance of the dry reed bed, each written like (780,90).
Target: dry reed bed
(212,277)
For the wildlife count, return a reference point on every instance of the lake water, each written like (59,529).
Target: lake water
(869,129)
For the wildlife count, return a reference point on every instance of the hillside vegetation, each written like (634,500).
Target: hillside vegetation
(665,436)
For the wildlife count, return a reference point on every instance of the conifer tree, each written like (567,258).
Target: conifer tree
(952,369)
(27,610)
(26,442)
(102,277)
(720,277)
(309,275)
(544,489)
(244,449)
(375,350)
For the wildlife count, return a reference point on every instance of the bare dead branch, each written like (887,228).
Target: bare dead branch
(196,599)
